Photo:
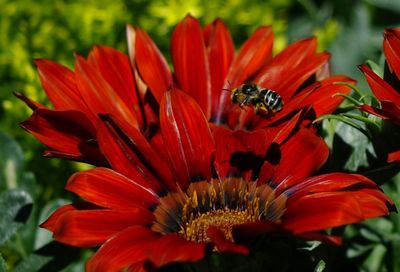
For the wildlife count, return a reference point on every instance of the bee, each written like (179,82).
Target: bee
(263,100)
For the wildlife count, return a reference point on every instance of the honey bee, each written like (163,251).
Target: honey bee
(263,100)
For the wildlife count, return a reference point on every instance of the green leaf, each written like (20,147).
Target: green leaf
(375,259)
(43,236)
(51,257)
(11,163)
(351,148)
(3,266)
(320,266)
(32,263)
(15,208)
(388,4)
(310,245)
(12,174)
(375,67)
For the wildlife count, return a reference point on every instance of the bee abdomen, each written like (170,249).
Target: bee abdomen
(271,99)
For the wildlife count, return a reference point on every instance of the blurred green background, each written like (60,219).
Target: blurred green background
(350,30)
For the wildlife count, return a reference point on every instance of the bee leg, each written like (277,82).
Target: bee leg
(245,101)
(261,109)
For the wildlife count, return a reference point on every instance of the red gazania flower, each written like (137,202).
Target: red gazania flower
(205,67)
(198,192)
(387,94)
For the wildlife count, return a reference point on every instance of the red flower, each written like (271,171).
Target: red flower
(197,192)
(102,84)
(204,66)
(387,94)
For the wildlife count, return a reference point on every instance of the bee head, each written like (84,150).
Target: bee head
(237,96)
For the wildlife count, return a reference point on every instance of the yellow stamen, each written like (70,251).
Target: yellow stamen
(222,204)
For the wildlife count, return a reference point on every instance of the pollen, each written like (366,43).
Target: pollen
(221,204)
(195,229)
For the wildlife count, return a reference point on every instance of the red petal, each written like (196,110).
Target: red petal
(323,99)
(326,210)
(138,267)
(391,47)
(123,158)
(131,37)
(52,220)
(33,105)
(291,82)
(187,137)
(107,188)
(328,183)
(394,157)
(223,245)
(254,53)
(220,55)
(374,202)
(381,89)
(126,248)
(94,227)
(148,155)
(59,84)
(285,62)
(151,64)
(63,131)
(115,68)
(190,62)
(90,154)
(389,111)
(301,155)
(230,142)
(100,96)
(294,104)
(287,129)
(172,248)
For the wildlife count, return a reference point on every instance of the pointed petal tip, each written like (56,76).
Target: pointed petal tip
(130,26)
(38,61)
(33,105)
(189,16)
(362,67)
(131,29)
(218,21)
(45,225)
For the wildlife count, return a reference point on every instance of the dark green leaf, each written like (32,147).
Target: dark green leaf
(32,263)
(388,4)
(51,257)
(351,149)
(15,208)
(11,163)
(3,266)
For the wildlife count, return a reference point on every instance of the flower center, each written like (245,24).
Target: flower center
(221,204)
(195,229)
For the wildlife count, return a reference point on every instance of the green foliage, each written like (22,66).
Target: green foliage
(15,206)
(3,266)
